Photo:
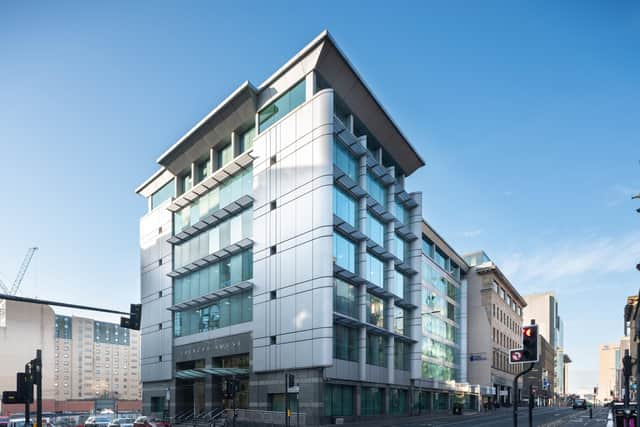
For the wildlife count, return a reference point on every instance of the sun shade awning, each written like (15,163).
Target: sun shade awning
(192,374)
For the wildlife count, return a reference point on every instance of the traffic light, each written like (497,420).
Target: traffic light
(530,343)
(292,381)
(133,321)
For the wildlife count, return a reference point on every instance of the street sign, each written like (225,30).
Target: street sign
(516,356)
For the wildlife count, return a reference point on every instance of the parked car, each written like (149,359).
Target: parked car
(122,422)
(4,421)
(143,422)
(159,423)
(580,404)
(19,422)
(97,421)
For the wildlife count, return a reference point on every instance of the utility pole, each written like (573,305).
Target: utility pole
(29,391)
(39,384)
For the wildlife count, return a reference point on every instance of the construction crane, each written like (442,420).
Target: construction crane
(21,272)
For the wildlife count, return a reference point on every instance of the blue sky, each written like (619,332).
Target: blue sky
(526,114)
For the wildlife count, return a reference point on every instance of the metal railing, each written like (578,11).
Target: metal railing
(275,418)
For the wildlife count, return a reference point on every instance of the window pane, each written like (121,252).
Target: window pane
(345,298)
(375,271)
(375,229)
(344,253)
(282,106)
(376,190)
(246,140)
(163,194)
(345,161)
(345,206)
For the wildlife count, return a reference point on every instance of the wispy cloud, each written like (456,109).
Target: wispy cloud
(570,259)
(472,233)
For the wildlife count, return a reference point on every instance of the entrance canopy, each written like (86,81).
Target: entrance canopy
(192,374)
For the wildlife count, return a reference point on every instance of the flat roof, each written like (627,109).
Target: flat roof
(334,66)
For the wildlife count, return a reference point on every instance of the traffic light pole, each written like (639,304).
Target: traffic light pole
(39,384)
(27,408)
(515,395)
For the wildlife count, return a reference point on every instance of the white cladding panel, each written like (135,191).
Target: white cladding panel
(301,228)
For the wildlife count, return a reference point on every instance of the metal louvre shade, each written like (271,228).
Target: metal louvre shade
(198,373)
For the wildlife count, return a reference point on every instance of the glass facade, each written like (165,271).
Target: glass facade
(375,310)
(401,249)
(401,355)
(399,315)
(440,301)
(225,155)
(345,343)
(345,207)
(376,190)
(399,284)
(63,327)
(375,270)
(401,213)
(376,350)
(375,229)
(344,252)
(229,191)
(345,298)
(230,231)
(338,400)
(229,271)
(371,401)
(246,140)
(398,403)
(345,161)
(163,194)
(110,333)
(224,312)
(282,106)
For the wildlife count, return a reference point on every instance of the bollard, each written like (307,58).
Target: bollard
(590,412)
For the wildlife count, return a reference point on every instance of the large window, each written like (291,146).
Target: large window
(401,355)
(399,316)
(164,193)
(345,298)
(186,183)
(375,229)
(246,140)
(398,403)
(428,247)
(345,161)
(338,400)
(376,190)
(376,350)
(345,207)
(345,343)
(375,271)
(344,253)
(201,282)
(229,191)
(281,106)
(225,155)
(202,170)
(232,230)
(375,310)
(402,213)
(401,249)
(224,312)
(399,284)
(372,401)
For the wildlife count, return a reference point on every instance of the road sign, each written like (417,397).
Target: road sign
(516,356)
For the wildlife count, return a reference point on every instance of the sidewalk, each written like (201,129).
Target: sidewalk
(420,419)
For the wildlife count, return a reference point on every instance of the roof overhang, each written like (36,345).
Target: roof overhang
(334,67)
(232,113)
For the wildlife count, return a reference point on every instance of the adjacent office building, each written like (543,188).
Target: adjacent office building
(281,237)
(609,364)
(543,307)
(540,380)
(495,322)
(95,360)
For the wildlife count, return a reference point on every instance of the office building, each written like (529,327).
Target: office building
(543,307)
(495,322)
(539,382)
(95,360)
(280,237)
(609,365)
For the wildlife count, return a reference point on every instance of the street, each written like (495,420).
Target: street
(502,418)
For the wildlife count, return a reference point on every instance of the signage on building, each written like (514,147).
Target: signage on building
(226,346)
(476,357)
